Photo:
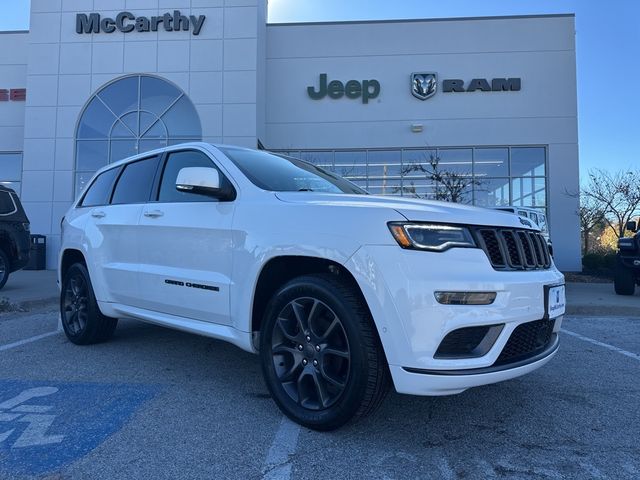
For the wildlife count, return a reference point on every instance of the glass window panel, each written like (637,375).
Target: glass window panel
(412,160)
(157,94)
(100,190)
(151,126)
(182,119)
(136,181)
(16,186)
(175,163)
(121,129)
(382,164)
(418,187)
(528,192)
(91,155)
(351,164)
(322,159)
(7,204)
(121,96)
(492,192)
(385,187)
(491,162)
(527,161)
(122,149)
(455,161)
(10,166)
(146,145)
(96,121)
(82,178)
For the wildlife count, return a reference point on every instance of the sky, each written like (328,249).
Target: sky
(607,51)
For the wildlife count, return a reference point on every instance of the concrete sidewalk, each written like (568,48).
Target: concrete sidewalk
(27,290)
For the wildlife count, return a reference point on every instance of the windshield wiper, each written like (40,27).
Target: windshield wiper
(305,190)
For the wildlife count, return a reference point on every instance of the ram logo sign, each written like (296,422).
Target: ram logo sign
(424,85)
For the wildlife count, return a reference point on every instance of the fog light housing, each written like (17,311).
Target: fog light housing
(465,298)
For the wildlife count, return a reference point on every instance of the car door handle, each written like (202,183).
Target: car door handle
(98,214)
(153,213)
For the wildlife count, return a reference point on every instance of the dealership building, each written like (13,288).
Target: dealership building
(490,102)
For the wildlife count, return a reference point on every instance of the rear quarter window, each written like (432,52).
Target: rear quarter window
(7,205)
(100,190)
(136,182)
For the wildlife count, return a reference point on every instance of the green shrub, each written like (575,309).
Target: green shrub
(599,263)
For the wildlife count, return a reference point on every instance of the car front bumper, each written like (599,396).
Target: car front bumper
(399,286)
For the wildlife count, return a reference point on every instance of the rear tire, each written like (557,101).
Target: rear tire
(624,280)
(4,268)
(82,320)
(321,356)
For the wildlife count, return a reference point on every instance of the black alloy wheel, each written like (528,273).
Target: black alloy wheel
(82,320)
(321,357)
(310,353)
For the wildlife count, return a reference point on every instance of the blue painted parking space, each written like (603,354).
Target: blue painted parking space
(47,425)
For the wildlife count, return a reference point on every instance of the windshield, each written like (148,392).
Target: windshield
(278,173)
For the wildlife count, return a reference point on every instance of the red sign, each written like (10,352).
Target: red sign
(13,94)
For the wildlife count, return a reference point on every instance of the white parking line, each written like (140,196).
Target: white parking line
(19,343)
(277,465)
(635,356)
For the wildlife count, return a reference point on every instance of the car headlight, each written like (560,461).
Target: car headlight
(433,237)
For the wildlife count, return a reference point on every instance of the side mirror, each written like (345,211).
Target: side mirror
(202,180)
(631,226)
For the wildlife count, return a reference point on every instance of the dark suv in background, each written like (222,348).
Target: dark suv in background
(627,273)
(14,234)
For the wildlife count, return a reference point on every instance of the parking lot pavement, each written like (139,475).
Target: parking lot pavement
(156,403)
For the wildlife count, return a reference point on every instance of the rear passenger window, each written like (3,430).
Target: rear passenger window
(175,162)
(100,189)
(7,207)
(135,183)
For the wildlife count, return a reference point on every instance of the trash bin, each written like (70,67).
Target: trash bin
(38,253)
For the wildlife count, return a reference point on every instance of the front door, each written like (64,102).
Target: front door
(185,247)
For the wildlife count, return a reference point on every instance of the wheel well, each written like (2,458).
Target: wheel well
(69,258)
(280,270)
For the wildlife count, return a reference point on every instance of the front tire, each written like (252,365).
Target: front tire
(624,280)
(321,356)
(4,268)
(82,320)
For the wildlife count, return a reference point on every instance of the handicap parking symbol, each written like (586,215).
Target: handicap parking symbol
(45,426)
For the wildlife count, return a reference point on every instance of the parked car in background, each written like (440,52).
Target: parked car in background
(627,271)
(339,292)
(14,234)
(537,216)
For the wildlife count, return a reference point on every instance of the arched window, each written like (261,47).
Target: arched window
(131,115)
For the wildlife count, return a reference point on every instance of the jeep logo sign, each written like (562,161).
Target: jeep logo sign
(353,89)
(127,22)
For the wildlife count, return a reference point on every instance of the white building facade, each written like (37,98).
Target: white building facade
(488,102)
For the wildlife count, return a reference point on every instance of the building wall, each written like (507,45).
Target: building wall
(217,69)
(539,50)
(13,74)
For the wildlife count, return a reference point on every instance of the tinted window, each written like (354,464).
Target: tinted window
(100,189)
(135,183)
(6,203)
(286,174)
(175,162)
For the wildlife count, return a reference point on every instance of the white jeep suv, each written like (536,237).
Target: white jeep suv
(340,292)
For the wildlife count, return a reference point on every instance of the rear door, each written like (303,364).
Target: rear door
(111,230)
(185,247)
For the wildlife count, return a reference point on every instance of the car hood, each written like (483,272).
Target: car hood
(412,209)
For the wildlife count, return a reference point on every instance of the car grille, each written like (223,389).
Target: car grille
(527,340)
(514,249)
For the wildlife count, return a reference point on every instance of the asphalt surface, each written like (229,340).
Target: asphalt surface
(155,403)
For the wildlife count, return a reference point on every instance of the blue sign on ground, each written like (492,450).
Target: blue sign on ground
(47,425)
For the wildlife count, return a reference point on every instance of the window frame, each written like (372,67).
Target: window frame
(13,201)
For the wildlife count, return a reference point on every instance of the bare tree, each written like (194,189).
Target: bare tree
(618,194)
(591,215)
(449,186)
